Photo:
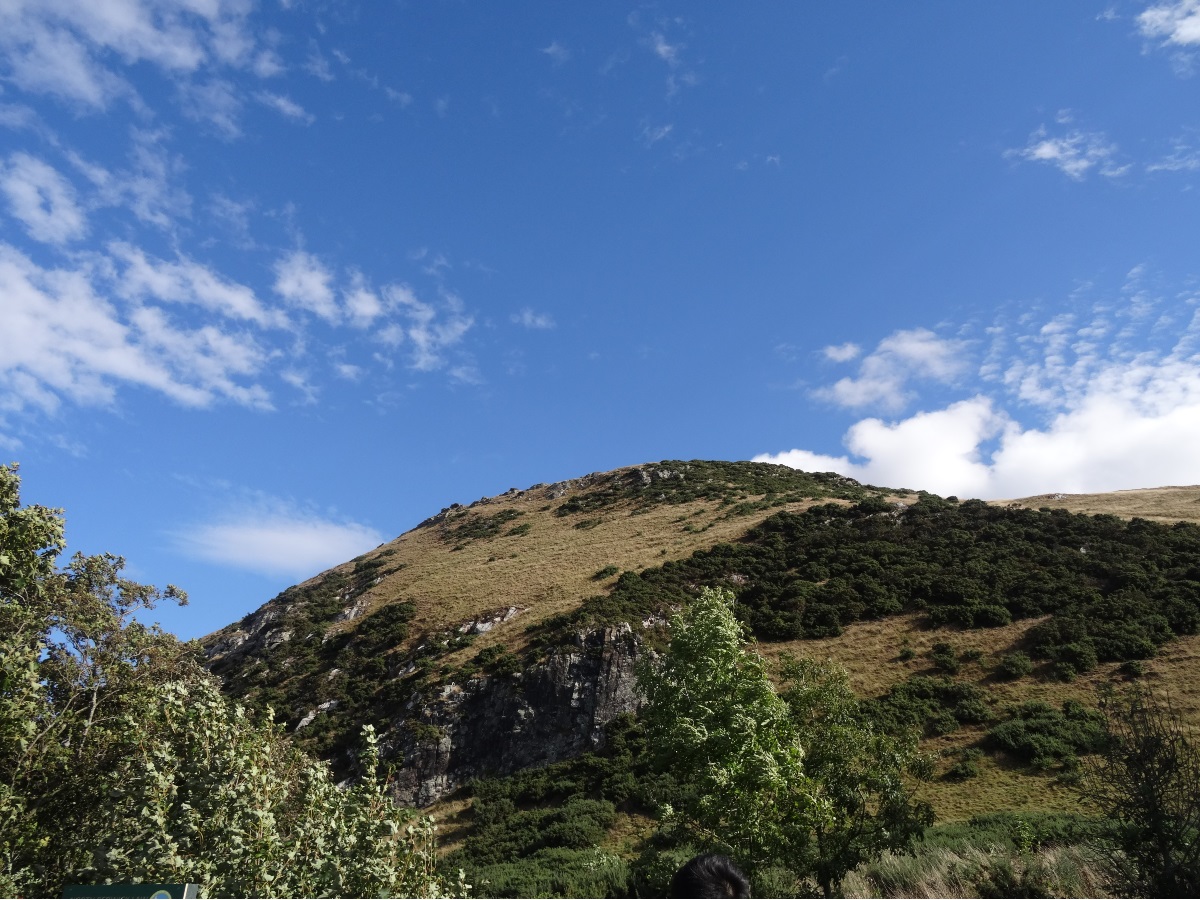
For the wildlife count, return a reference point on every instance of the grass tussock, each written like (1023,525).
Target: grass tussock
(1056,871)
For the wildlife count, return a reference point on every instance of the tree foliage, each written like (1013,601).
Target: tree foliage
(121,760)
(864,774)
(801,780)
(1147,780)
(714,719)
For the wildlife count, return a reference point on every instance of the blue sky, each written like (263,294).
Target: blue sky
(278,280)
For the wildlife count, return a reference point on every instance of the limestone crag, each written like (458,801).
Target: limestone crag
(500,724)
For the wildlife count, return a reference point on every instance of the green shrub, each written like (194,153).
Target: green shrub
(1042,736)
(966,767)
(1014,665)
(944,658)
(933,705)
(606,572)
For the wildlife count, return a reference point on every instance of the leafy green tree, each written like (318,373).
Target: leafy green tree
(714,720)
(802,780)
(865,775)
(121,760)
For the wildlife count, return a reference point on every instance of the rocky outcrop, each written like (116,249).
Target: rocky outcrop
(497,725)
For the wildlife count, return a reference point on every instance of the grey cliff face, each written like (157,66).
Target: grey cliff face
(498,725)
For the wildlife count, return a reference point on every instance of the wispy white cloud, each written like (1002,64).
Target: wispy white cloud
(404,98)
(885,374)
(317,64)
(530,319)
(557,53)
(215,102)
(663,49)
(271,537)
(652,134)
(63,338)
(302,382)
(42,200)
(430,332)
(149,187)
(61,47)
(1075,153)
(186,281)
(1184,157)
(657,38)
(234,215)
(285,106)
(304,282)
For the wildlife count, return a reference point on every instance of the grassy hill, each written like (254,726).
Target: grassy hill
(924,601)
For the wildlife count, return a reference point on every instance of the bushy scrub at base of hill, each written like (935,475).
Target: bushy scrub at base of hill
(535,833)
(1115,590)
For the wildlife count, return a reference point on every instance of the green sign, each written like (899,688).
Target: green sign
(134,891)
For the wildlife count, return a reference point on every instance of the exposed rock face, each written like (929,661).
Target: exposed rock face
(498,725)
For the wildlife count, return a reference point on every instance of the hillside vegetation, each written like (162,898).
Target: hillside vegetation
(987,628)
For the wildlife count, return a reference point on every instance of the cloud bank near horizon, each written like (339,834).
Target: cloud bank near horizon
(1081,403)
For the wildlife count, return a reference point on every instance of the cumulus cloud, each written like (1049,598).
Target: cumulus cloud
(1075,153)
(1172,23)
(42,200)
(842,352)
(363,305)
(277,540)
(884,375)
(1079,405)
(527,318)
(60,47)
(303,281)
(1136,426)
(936,451)
(63,338)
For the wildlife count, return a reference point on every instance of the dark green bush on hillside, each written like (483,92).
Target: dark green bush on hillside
(1134,585)
(930,705)
(1014,665)
(1042,736)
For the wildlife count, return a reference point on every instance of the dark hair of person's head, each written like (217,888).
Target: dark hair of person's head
(709,875)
